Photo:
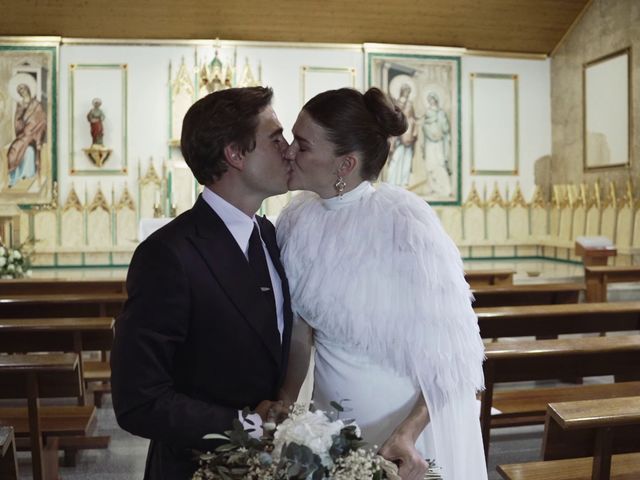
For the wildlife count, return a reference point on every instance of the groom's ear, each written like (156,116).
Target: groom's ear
(233,156)
(347,164)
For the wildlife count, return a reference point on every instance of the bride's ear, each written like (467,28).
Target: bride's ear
(347,164)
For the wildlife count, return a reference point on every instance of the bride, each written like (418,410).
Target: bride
(379,288)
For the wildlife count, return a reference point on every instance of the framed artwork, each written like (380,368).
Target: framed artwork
(494,124)
(426,159)
(28,84)
(607,112)
(315,80)
(97,119)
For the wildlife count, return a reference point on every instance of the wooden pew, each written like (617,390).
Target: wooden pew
(595,429)
(40,376)
(8,460)
(476,278)
(597,279)
(530,360)
(623,467)
(552,320)
(62,305)
(528,294)
(48,286)
(63,334)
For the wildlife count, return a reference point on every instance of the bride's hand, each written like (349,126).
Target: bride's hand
(400,449)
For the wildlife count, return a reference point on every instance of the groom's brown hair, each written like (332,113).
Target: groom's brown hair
(221,118)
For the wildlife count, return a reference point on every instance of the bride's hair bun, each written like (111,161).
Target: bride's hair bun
(390,118)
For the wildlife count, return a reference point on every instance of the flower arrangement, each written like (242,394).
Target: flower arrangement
(307,445)
(14,262)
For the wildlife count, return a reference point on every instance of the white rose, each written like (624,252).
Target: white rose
(28,273)
(17,255)
(312,429)
(3,261)
(19,269)
(3,251)
(11,267)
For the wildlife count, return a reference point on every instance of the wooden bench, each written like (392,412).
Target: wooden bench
(532,294)
(597,279)
(48,286)
(623,467)
(67,335)
(477,278)
(553,320)
(592,428)
(40,376)
(8,460)
(62,305)
(530,360)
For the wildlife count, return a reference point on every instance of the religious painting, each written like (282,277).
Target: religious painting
(607,113)
(97,119)
(426,158)
(27,123)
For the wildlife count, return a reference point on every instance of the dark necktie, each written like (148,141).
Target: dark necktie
(258,263)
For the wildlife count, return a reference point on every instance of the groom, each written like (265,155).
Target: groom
(206,328)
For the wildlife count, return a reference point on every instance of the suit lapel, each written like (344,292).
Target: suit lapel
(228,264)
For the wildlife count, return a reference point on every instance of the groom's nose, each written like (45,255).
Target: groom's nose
(290,152)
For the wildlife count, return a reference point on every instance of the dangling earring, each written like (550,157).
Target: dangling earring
(340,185)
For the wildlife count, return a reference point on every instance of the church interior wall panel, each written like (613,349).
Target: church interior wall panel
(592,227)
(534,118)
(519,223)
(605,27)
(608,223)
(45,226)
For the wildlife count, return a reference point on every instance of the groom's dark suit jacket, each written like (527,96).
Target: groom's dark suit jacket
(194,343)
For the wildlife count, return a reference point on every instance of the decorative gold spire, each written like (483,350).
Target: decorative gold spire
(538,200)
(73,201)
(126,200)
(596,195)
(473,199)
(496,198)
(610,200)
(99,201)
(247,79)
(151,176)
(627,199)
(518,198)
(183,81)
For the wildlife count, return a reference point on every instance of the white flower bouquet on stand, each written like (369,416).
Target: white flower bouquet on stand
(14,262)
(307,445)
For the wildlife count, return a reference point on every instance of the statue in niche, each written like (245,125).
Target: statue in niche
(97,153)
(95,118)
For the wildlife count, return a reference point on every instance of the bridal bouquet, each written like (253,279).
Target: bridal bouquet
(308,445)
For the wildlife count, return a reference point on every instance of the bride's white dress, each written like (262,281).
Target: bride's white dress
(383,287)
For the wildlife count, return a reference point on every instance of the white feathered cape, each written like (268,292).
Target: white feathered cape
(393,287)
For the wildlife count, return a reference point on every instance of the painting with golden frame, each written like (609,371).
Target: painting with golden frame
(426,159)
(28,83)
(607,112)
